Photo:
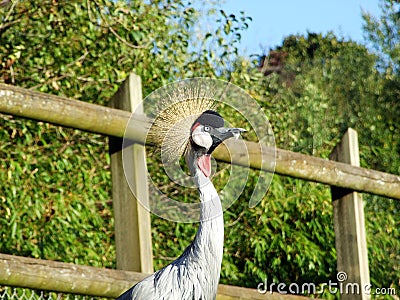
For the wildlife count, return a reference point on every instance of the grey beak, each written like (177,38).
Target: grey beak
(221,134)
(236,132)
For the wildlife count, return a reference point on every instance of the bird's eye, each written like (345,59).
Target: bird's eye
(206,128)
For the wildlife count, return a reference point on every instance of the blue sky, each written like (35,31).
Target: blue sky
(275,19)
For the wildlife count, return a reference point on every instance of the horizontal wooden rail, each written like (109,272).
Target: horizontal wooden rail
(95,118)
(64,277)
(70,113)
(90,281)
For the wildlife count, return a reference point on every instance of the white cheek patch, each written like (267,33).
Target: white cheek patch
(201,138)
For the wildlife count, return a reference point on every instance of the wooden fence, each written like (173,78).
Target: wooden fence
(342,173)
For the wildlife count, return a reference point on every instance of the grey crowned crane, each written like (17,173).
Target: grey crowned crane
(195,274)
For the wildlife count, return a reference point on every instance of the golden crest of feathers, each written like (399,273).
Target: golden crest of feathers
(177,111)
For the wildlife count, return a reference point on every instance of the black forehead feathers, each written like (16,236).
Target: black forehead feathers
(210,118)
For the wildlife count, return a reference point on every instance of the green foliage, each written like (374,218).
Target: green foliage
(384,34)
(382,223)
(55,193)
(291,244)
(69,47)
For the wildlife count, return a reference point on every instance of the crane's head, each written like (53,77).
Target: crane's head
(206,133)
(186,126)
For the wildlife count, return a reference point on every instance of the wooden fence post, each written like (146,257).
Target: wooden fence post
(350,237)
(132,221)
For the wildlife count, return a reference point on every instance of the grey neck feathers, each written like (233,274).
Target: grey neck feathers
(209,241)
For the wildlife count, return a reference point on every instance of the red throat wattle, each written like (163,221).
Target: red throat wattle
(204,163)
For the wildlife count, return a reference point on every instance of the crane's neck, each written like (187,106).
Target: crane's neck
(204,254)
(211,207)
(209,240)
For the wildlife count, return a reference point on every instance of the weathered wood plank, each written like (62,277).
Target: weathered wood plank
(349,225)
(69,112)
(98,282)
(108,121)
(311,168)
(129,171)
(64,277)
